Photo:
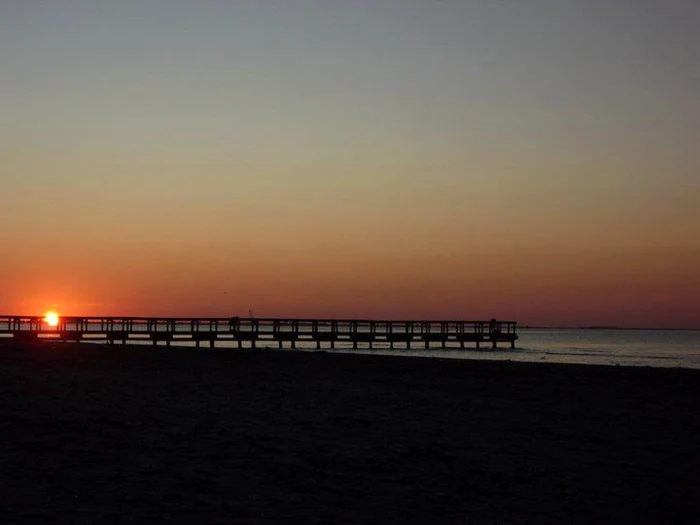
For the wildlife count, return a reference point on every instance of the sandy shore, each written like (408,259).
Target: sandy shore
(105,434)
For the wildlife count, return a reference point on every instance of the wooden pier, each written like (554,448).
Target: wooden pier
(253,331)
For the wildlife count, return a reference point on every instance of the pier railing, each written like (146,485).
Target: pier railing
(326,332)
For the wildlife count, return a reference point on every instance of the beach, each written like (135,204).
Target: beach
(98,433)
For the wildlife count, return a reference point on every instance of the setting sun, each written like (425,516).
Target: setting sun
(51,318)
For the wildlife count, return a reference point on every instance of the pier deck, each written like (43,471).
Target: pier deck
(253,331)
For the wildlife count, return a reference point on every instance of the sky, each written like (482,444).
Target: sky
(448,159)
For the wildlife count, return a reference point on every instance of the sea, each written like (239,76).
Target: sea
(605,346)
(613,347)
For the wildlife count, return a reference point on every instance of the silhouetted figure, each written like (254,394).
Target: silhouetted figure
(494,327)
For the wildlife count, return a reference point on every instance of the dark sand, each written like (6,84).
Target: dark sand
(104,434)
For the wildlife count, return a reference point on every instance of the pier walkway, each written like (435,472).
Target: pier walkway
(253,331)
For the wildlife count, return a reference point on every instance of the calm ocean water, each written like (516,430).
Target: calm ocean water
(658,348)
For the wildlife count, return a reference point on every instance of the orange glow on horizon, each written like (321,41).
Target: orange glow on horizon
(51,318)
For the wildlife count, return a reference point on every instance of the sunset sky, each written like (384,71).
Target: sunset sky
(532,160)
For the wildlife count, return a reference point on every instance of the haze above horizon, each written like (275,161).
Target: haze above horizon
(536,161)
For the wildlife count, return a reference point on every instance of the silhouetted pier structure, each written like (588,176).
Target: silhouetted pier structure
(251,331)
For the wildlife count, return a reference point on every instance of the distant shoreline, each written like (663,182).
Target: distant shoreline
(534,327)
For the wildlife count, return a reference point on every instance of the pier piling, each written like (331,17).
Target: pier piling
(285,332)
